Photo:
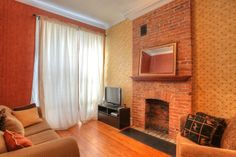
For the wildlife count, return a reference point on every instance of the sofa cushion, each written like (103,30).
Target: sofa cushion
(44,136)
(36,128)
(15,141)
(28,117)
(229,137)
(3,147)
(200,130)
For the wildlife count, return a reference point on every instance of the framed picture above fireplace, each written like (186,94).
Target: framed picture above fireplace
(158,61)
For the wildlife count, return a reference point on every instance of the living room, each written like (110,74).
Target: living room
(117,78)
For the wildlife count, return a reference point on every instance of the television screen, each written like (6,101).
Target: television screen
(113,95)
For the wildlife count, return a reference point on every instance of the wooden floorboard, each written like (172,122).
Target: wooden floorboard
(96,139)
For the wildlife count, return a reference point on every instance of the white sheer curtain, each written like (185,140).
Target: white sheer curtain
(90,73)
(59,58)
(35,88)
(70,73)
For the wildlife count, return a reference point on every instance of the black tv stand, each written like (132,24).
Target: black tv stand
(115,116)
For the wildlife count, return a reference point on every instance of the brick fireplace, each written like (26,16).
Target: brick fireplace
(169,23)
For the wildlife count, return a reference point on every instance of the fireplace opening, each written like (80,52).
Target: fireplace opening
(157,116)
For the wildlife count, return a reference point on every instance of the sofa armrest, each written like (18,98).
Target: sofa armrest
(182,122)
(190,150)
(40,112)
(63,147)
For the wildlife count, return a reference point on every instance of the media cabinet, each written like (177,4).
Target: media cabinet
(120,119)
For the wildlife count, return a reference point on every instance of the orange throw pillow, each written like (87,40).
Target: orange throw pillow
(28,117)
(15,141)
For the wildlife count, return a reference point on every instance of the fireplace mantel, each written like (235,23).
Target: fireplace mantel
(161,78)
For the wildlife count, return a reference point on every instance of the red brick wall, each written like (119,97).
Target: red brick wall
(170,23)
(17,33)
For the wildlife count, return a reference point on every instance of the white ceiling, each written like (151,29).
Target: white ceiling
(100,13)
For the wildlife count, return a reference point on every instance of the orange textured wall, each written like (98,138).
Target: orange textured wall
(17,33)
(118,59)
(214,54)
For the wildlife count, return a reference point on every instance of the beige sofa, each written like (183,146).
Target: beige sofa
(46,143)
(187,148)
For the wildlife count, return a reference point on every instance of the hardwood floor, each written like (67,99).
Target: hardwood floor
(96,139)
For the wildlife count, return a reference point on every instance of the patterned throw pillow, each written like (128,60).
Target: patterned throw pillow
(220,129)
(15,141)
(220,120)
(200,129)
(9,122)
(8,110)
(2,118)
(13,124)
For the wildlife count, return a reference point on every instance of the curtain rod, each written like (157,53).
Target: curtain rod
(36,15)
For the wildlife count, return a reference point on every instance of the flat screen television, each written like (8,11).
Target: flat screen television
(113,96)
